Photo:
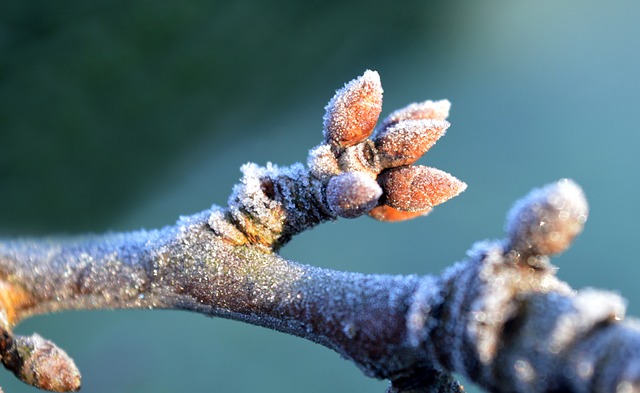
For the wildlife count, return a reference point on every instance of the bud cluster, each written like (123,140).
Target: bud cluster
(369,170)
(358,169)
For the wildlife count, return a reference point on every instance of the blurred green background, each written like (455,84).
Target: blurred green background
(117,115)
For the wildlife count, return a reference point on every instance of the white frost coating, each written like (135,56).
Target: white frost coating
(352,194)
(222,227)
(360,158)
(271,203)
(548,219)
(322,163)
(405,142)
(420,321)
(437,110)
(250,196)
(591,307)
(351,114)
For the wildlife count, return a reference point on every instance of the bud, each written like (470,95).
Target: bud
(352,194)
(436,110)
(548,219)
(40,363)
(352,113)
(417,188)
(405,142)
(387,213)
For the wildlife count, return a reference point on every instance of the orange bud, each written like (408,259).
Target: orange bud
(352,113)
(389,214)
(415,188)
(405,142)
(437,110)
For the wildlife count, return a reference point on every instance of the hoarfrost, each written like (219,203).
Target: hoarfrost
(352,194)
(405,142)
(351,115)
(548,219)
(437,110)
(323,163)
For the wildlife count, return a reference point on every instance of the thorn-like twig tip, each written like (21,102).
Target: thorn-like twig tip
(548,219)
(436,110)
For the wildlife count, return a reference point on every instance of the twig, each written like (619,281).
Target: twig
(501,317)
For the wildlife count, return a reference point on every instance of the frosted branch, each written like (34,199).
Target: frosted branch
(499,317)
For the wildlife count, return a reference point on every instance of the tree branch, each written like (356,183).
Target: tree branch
(501,317)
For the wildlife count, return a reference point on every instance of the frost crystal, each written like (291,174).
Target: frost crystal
(352,113)
(436,110)
(352,194)
(405,142)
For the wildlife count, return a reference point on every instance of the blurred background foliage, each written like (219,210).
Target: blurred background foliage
(116,115)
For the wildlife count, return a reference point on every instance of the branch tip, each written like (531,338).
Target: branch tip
(548,219)
(406,141)
(436,110)
(39,363)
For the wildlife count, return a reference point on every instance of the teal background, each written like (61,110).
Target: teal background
(118,115)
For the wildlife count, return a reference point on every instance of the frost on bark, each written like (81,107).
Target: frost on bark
(500,317)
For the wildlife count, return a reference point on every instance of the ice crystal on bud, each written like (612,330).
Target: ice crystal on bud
(436,110)
(590,307)
(548,219)
(352,113)
(405,142)
(322,163)
(352,194)
(417,188)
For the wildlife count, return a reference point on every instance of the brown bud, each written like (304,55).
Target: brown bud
(352,113)
(322,163)
(40,363)
(416,188)
(548,219)
(389,214)
(352,194)
(436,110)
(405,142)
